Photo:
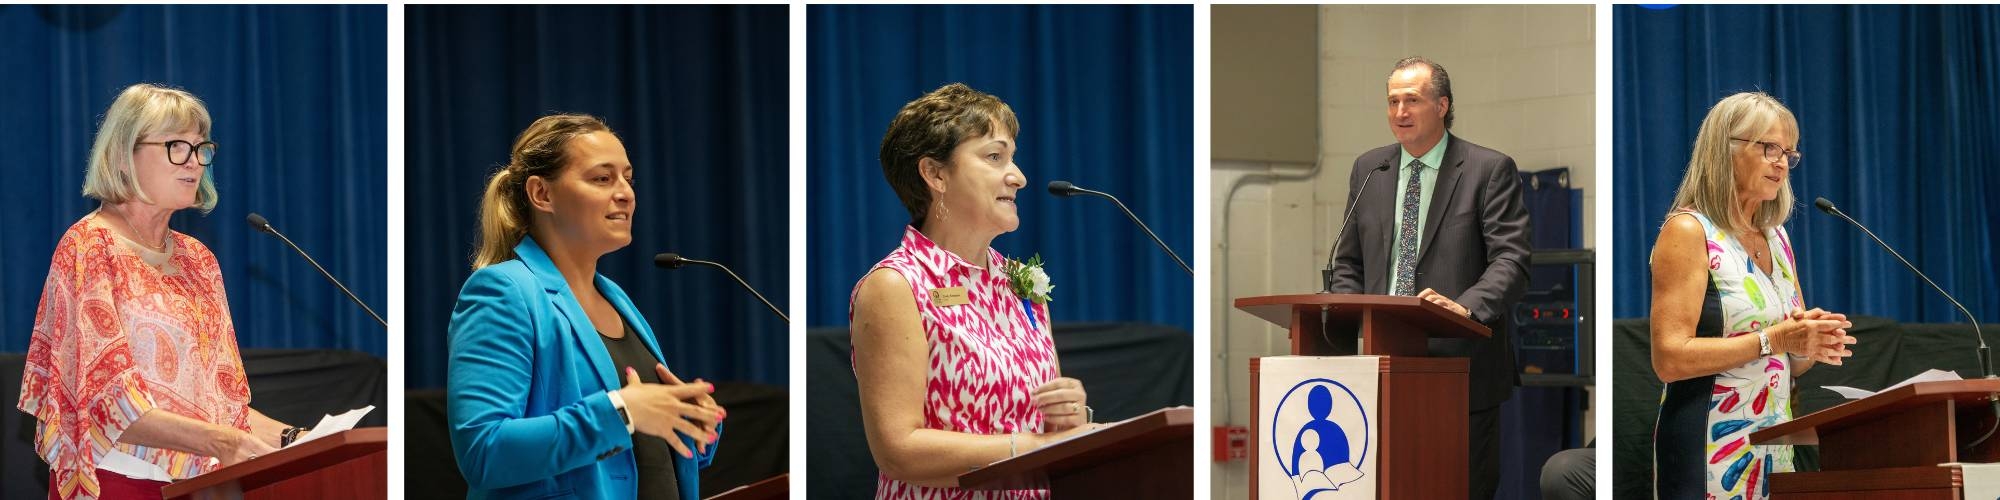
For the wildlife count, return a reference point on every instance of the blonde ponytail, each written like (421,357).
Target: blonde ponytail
(541,150)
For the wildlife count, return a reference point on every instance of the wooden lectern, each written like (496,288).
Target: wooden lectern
(348,464)
(770,488)
(1149,456)
(1889,445)
(1422,406)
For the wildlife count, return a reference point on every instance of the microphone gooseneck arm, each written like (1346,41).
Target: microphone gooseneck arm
(1985,353)
(1061,188)
(1326,275)
(257,222)
(675,261)
(1985,356)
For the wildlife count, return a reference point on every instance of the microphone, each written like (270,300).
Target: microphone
(1985,354)
(675,261)
(1326,275)
(258,223)
(1064,189)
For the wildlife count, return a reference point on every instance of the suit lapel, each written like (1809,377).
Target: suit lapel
(580,332)
(1441,195)
(1375,263)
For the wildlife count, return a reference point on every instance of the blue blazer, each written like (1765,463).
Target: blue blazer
(527,392)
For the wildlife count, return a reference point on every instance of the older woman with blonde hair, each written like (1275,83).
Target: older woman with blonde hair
(556,386)
(955,362)
(1729,324)
(133,374)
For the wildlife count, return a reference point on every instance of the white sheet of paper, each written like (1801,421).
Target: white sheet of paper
(1931,375)
(1981,480)
(331,424)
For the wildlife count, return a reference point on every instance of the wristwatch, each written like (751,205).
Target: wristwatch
(290,435)
(1763,344)
(619,403)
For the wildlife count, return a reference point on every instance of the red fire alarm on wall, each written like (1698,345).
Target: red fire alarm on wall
(1232,443)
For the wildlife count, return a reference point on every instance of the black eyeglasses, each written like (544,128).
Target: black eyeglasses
(179,152)
(1772,152)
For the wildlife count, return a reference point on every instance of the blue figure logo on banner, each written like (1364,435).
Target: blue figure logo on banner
(1318,453)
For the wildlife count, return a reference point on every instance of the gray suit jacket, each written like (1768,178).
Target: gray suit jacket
(1474,250)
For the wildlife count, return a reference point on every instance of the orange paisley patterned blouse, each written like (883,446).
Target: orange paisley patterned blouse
(122,330)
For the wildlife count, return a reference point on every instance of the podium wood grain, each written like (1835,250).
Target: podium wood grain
(771,488)
(1421,407)
(1891,444)
(351,464)
(1149,456)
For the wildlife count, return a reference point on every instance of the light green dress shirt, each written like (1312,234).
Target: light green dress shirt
(1428,182)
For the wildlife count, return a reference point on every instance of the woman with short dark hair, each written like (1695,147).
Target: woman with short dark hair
(953,357)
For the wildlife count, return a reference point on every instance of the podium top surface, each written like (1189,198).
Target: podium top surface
(1805,430)
(1095,447)
(774,487)
(1421,313)
(299,458)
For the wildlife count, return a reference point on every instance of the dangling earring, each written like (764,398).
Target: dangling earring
(943,213)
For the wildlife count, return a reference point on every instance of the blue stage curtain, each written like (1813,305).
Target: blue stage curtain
(1104,96)
(1897,116)
(297,96)
(699,96)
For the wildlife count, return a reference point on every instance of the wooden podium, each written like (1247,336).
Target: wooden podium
(1422,404)
(770,488)
(348,464)
(1890,445)
(1149,456)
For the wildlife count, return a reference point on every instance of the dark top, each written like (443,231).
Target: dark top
(1680,436)
(655,459)
(1474,249)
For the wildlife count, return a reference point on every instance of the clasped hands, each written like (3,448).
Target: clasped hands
(671,407)
(1816,334)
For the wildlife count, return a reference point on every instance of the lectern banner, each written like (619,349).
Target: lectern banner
(1319,428)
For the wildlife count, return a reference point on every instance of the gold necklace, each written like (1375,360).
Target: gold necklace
(134,233)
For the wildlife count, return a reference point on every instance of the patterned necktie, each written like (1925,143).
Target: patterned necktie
(1406,233)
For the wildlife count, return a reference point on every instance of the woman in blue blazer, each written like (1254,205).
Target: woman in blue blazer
(555,385)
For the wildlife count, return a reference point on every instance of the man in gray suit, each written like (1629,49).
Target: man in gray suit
(1452,230)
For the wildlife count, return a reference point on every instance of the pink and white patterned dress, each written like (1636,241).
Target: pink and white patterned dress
(986,357)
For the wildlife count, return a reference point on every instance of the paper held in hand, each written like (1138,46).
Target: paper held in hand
(331,424)
(1932,375)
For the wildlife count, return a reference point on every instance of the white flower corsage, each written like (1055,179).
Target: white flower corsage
(1029,280)
(1030,283)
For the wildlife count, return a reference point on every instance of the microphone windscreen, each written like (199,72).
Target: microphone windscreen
(1824,206)
(257,222)
(1061,188)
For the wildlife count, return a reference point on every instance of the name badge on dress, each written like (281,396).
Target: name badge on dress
(952,296)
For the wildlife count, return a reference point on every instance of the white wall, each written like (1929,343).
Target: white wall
(1523,79)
